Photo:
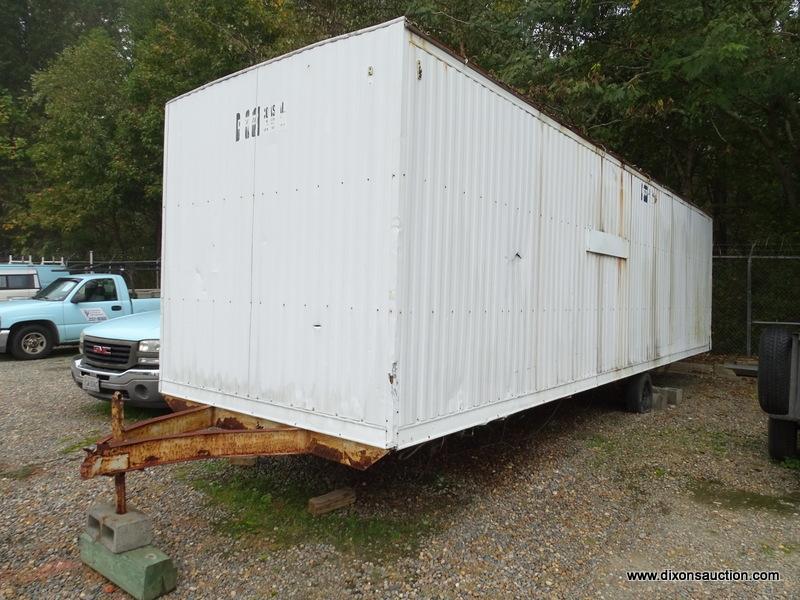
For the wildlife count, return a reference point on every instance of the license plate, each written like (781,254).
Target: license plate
(90,383)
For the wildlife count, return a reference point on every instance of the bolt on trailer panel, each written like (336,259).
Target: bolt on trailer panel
(387,246)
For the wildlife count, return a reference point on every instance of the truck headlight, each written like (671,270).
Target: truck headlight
(148,352)
(149,346)
(80,344)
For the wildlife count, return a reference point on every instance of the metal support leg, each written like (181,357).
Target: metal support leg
(119,489)
(749,341)
(117,416)
(118,434)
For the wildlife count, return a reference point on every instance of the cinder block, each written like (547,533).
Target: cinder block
(145,573)
(118,533)
(674,396)
(659,399)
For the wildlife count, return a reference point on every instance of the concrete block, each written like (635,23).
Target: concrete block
(743,369)
(659,399)
(118,533)
(674,396)
(145,573)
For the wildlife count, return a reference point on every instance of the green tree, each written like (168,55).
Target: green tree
(32,33)
(703,94)
(179,45)
(99,147)
(79,151)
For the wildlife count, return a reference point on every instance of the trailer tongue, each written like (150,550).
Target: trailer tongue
(201,432)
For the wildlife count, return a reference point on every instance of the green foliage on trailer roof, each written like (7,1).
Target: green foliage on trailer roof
(704,95)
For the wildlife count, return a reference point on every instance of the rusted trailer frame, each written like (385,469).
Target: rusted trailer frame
(201,432)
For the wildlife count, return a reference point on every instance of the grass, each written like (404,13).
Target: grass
(75,445)
(640,458)
(602,444)
(102,408)
(786,549)
(20,473)
(695,440)
(267,502)
(678,439)
(716,494)
(791,463)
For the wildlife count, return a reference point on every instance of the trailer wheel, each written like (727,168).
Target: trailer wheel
(31,342)
(774,370)
(781,438)
(639,394)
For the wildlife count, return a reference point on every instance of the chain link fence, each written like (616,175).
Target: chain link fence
(138,273)
(750,293)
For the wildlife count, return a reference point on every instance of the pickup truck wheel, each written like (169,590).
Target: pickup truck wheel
(639,394)
(31,342)
(774,370)
(781,439)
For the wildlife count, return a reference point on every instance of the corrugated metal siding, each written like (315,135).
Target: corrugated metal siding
(395,258)
(501,306)
(208,187)
(280,250)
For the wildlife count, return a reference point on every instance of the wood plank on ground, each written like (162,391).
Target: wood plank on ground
(319,505)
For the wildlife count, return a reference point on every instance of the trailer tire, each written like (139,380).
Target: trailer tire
(781,438)
(639,394)
(30,342)
(774,370)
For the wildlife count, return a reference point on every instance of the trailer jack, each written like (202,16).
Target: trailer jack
(201,432)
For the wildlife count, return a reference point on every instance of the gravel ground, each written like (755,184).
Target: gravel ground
(558,501)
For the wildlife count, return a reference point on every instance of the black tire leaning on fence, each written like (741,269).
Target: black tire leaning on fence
(774,370)
(781,439)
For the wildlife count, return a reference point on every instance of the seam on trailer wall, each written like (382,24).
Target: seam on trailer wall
(165,156)
(252,253)
(402,255)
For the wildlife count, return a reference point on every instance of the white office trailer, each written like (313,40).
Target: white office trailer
(371,239)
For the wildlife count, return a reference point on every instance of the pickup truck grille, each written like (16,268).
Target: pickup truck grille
(109,354)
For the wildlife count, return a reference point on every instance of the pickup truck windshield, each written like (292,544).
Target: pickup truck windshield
(57,291)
